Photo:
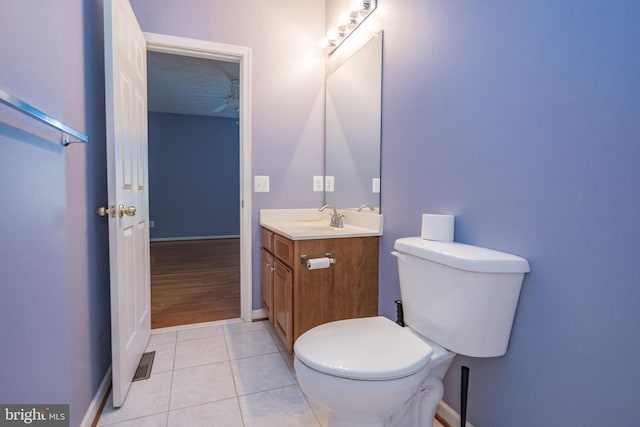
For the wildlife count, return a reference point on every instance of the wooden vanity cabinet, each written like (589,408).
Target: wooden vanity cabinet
(282,303)
(267,269)
(303,298)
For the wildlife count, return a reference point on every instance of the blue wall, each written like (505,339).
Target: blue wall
(54,272)
(523,120)
(194,176)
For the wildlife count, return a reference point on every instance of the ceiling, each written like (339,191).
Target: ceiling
(187,85)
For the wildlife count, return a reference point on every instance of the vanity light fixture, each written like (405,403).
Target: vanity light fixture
(347,23)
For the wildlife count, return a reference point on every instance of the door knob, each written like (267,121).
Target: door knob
(106,211)
(128,211)
(111,211)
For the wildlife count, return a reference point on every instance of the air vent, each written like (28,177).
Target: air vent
(144,367)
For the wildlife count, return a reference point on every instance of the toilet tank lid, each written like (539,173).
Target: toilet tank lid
(462,256)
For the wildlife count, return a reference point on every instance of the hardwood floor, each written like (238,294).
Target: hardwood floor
(194,281)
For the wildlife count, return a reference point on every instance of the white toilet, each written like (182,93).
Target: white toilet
(457,298)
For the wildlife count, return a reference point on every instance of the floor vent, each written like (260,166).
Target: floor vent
(144,367)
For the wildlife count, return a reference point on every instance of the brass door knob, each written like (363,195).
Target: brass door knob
(128,211)
(103,211)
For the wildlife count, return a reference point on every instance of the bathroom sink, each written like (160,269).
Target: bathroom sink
(298,230)
(317,226)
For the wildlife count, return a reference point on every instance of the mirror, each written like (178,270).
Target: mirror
(352,129)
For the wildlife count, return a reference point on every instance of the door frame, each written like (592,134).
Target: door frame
(242,55)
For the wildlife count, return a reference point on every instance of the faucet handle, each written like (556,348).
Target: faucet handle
(336,220)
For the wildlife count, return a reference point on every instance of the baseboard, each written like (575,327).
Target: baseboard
(448,416)
(260,314)
(177,239)
(98,399)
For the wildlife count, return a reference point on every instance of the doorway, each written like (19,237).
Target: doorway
(241,57)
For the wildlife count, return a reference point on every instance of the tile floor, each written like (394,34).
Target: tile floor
(228,375)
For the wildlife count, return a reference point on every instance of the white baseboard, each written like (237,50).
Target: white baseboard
(449,415)
(259,314)
(176,239)
(94,407)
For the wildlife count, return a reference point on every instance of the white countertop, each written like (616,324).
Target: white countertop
(308,224)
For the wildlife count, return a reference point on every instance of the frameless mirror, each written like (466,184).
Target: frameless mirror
(352,129)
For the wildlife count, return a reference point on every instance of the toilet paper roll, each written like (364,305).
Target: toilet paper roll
(438,227)
(317,263)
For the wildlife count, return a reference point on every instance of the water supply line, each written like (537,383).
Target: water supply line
(464,391)
(399,313)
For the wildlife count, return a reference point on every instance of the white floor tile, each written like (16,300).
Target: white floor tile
(163,360)
(197,333)
(281,407)
(260,373)
(200,352)
(224,413)
(158,420)
(252,343)
(234,328)
(162,338)
(145,397)
(193,383)
(321,411)
(288,359)
(201,384)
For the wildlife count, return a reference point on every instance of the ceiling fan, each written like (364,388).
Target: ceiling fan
(232,100)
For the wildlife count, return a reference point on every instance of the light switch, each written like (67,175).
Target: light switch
(261,184)
(318,183)
(329,182)
(375,187)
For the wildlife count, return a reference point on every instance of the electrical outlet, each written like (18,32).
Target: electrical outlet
(318,183)
(329,183)
(375,186)
(261,184)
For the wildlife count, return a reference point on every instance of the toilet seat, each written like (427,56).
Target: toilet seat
(371,348)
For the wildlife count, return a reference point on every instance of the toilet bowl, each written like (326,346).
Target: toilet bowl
(371,372)
(457,298)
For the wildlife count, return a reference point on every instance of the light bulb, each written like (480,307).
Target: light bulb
(356,6)
(332,34)
(353,17)
(343,19)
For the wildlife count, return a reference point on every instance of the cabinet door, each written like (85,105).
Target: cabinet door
(282,303)
(266,282)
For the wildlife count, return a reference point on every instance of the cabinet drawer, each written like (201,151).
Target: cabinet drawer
(267,239)
(283,249)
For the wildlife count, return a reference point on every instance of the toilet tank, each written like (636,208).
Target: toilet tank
(462,297)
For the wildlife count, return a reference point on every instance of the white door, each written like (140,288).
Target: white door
(126,113)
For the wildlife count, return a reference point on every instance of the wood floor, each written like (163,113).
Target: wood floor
(194,281)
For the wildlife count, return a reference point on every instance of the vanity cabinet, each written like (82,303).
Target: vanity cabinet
(266,281)
(282,303)
(297,299)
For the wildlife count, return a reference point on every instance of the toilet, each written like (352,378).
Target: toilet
(457,299)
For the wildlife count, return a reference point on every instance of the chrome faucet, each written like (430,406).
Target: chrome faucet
(336,218)
(368,206)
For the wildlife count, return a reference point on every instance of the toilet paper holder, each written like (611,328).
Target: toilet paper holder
(305,258)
